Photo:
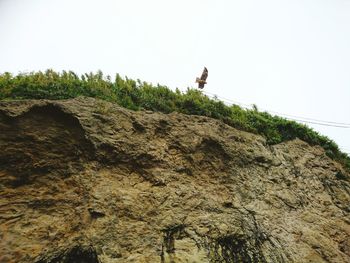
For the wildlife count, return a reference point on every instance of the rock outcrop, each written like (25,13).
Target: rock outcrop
(84,180)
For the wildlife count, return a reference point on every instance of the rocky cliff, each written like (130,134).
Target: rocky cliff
(84,180)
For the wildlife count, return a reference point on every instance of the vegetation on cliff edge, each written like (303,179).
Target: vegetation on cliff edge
(136,95)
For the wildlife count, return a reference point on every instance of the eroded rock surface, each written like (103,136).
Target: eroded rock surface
(83,180)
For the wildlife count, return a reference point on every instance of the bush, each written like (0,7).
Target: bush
(136,95)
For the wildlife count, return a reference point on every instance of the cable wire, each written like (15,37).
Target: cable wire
(287,116)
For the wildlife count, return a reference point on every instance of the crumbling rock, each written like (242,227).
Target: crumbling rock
(84,180)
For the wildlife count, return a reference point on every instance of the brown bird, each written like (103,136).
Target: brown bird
(202,80)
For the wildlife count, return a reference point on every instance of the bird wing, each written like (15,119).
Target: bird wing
(204,74)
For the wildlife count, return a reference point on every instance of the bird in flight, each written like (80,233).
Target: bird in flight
(202,80)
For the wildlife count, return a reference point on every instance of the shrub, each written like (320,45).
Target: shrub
(136,95)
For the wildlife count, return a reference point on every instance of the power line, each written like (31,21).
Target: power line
(305,118)
(278,113)
(288,116)
(319,123)
(247,106)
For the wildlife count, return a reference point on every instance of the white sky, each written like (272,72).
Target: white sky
(288,56)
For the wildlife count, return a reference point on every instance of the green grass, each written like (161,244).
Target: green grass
(136,95)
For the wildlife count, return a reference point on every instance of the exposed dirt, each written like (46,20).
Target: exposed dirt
(84,180)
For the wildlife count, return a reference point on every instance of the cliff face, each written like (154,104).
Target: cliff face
(86,181)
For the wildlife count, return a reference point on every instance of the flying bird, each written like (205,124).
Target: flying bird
(202,80)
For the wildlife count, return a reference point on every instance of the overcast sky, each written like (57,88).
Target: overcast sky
(286,56)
